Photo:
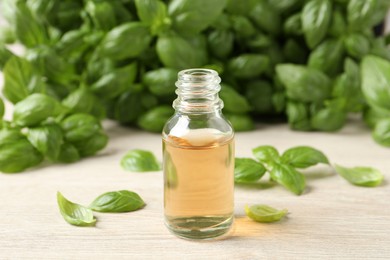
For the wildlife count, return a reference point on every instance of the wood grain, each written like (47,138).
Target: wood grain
(333,219)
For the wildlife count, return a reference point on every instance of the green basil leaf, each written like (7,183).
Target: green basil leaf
(221,43)
(2,108)
(101,13)
(154,14)
(75,214)
(266,17)
(240,8)
(116,82)
(79,101)
(259,95)
(286,6)
(298,116)
(357,45)
(92,144)
(361,176)
(28,28)
(115,44)
(155,119)
(8,135)
(140,161)
(191,17)
(293,25)
(248,66)
(79,127)
(290,178)
(379,48)
(241,122)
(294,52)
(68,154)
(376,81)
(5,55)
(117,201)
(316,16)
(266,154)
(161,82)
(300,80)
(264,213)
(47,140)
(242,26)
(372,116)
(18,155)
(329,119)
(247,170)
(327,57)
(381,132)
(178,53)
(18,74)
(128,101)
(303,157)
(360,13)
(338,25)
(233,101)
(34,109)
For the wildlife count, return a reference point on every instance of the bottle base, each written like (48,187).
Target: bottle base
(199,228)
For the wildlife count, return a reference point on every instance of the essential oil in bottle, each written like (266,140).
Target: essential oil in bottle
(198,151)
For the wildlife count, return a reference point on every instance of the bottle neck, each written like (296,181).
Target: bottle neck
(197,92)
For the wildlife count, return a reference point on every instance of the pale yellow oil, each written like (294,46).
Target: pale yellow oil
(198,184)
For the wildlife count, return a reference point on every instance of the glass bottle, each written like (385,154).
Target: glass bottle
(198,152)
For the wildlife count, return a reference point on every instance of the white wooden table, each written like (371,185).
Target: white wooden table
(333,219)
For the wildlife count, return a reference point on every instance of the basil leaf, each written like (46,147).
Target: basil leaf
(360,13)
(115,44)
(376,81)
(372,116)
(259,95)
(329,119)
(327,57)
(191,17)
(47,140)
(266,154)
(115,82)
(338,25)
(160,82)
(10,135)
(154,14)
(68,154)
(17,76)
(240,122)
(34,109)
(28,28)
(18,155)
(316,16)
(265,213)
(79,127)
(155,119)
(285,6)
(357,45)
(240,8)
(140,161)
(300,80)
(248,66)
(233,101)
(361,176)
(290,178)
(221,43)
(303,157)
(266,17)
(381,133)
(178,53)
(75,214)
(2,108)
(5,55)
(298,116)
(92,144)
(117,201)
(295,52)
(243,27)
(101,13)
(293,25)
(247,170)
